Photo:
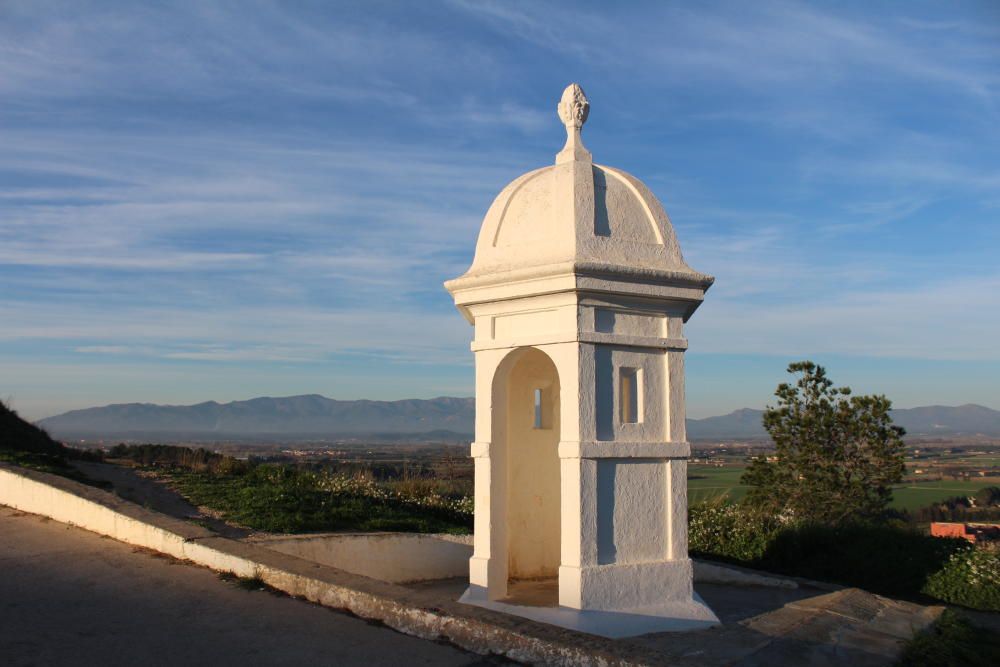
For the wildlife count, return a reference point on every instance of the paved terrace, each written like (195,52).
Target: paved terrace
(67,593)
(70,597)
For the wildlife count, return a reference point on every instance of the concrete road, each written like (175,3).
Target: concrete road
(70,597)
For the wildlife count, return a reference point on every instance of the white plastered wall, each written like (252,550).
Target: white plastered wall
(621,515)
(629,477)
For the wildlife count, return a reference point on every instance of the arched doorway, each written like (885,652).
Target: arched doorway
(526,419)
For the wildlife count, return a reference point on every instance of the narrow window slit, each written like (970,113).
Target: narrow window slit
(630,395)
(538,408)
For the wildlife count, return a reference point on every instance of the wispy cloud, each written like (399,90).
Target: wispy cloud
(270,186)
(947,319)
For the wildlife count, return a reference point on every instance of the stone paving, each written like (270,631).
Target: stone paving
(776,626)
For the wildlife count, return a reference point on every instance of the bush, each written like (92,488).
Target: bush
(886,558)
(281,498)
(729,532)
(286,498)
(971,578)
(175,456)
(988,497)
(959,509)
(952,642)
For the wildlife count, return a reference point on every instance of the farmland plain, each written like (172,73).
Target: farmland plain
(709,482)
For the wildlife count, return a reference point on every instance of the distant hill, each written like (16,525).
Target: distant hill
(931,420)
(314,417)
(968,419)
(294,417)
(743,423)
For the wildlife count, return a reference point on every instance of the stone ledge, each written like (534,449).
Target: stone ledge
(779,580)
(718,573)
(621,340)
(619,449)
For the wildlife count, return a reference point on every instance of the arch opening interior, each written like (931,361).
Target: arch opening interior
(532,443)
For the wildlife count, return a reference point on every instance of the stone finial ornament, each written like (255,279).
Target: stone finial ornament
(573,108)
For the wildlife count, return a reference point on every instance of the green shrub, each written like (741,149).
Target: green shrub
(971,578)
(730,532)
(173,455)
(988,496)
(887,558)
(880,558)
(952,642)
(285,499)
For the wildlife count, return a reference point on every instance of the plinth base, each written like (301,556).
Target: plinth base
(676,616)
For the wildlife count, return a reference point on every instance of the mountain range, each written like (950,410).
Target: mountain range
(446,418)
(291,417)
(930,420)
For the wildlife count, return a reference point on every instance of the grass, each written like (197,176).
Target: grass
(707,483)
(282,499)
(913,496)
(35,461)
(952,642)
(50,463)
(254,583)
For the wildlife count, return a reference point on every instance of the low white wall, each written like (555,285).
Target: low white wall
(392,557)
(407,557)
(105,514)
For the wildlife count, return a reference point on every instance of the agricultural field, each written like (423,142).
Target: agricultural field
(932,475)
(708,482)
(911,496)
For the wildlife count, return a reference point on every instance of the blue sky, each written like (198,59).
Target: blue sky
(221,200)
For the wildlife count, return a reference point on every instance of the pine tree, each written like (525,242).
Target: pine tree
(837,455)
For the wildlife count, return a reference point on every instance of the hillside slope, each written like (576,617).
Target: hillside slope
(16,434)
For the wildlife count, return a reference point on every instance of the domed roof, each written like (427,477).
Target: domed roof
(580,217)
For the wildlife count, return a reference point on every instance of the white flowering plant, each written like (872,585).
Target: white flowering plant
(970,577)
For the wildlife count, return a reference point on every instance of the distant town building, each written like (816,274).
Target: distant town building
(972,532)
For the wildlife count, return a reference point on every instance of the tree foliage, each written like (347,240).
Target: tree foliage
(837,455)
